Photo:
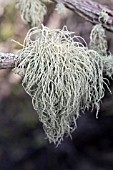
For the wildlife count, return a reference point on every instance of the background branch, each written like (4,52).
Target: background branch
(90,10)
(7,60)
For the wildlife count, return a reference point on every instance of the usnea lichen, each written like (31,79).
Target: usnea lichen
(98,43)
(33,11)
(62,76)
(98,40)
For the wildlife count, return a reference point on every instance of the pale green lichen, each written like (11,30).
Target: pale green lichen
(98,42)
(33,11)
(62,76)
(108,65)
(103,16)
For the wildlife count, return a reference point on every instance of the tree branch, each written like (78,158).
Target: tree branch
(7,60)
(90,10)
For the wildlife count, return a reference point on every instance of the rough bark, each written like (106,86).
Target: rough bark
(7,60)
(90,11)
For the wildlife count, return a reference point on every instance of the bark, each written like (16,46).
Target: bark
(7,60)
(90,11)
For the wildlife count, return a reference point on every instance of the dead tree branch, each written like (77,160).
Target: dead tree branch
(90,11)
(7,60)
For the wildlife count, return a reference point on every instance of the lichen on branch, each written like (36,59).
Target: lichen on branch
(63,78)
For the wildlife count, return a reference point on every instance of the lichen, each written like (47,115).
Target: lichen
(98,42)
(62,76)
(33,11)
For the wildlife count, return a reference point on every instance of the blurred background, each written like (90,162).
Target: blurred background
(23,144)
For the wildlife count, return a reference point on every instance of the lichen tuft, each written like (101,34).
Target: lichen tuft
(63,78)
(33,11)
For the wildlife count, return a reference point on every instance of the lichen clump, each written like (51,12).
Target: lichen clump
(33,11)
(63,78)
(98,42)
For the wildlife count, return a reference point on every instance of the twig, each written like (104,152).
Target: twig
(90,10)
(7,60)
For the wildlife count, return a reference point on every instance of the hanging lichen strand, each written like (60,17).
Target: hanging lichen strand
(98,40)
(98,43)
(33,11)
(63,78)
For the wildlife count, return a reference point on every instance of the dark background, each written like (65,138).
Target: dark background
(23,144)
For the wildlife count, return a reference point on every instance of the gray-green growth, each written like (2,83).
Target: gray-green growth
(62,76)
(33,11)
(98,42)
